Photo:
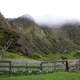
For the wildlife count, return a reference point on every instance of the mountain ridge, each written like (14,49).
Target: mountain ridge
(30,38)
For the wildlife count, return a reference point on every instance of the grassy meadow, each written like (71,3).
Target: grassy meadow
(50,76)
(40,57)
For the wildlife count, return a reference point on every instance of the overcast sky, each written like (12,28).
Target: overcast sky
(53,11)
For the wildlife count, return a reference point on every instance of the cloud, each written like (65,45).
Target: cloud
(56,9)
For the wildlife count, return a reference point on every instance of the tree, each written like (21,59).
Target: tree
(9,39)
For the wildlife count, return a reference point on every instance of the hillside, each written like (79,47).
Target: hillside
(23,35)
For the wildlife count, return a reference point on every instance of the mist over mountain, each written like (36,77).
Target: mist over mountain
(53,20)
(29,37)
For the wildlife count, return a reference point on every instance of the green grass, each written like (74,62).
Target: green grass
(50,76)
(12,55)
(41,57)
(57,56)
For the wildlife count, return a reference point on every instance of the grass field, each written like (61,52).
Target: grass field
(50,76)
(40,57)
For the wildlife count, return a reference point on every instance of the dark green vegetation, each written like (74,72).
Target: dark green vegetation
(51,76)
(23,36)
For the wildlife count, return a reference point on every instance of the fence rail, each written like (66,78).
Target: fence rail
(43,67)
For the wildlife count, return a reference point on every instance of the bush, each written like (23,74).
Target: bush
(36,56)
(77,55)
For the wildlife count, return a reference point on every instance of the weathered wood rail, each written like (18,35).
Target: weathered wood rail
(43,67)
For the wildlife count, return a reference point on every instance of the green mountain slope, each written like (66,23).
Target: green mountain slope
(27,37)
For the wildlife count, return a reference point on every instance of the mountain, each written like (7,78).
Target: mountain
(23,35)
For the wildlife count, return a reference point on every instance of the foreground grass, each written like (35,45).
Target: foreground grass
(50,76)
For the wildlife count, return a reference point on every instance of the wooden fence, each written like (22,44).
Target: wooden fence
(43,67)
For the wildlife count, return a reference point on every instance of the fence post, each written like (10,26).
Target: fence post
(52,66)
(10,67)
(55,66)
(41,68)
(67,66)
(27,69)
(79,64)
